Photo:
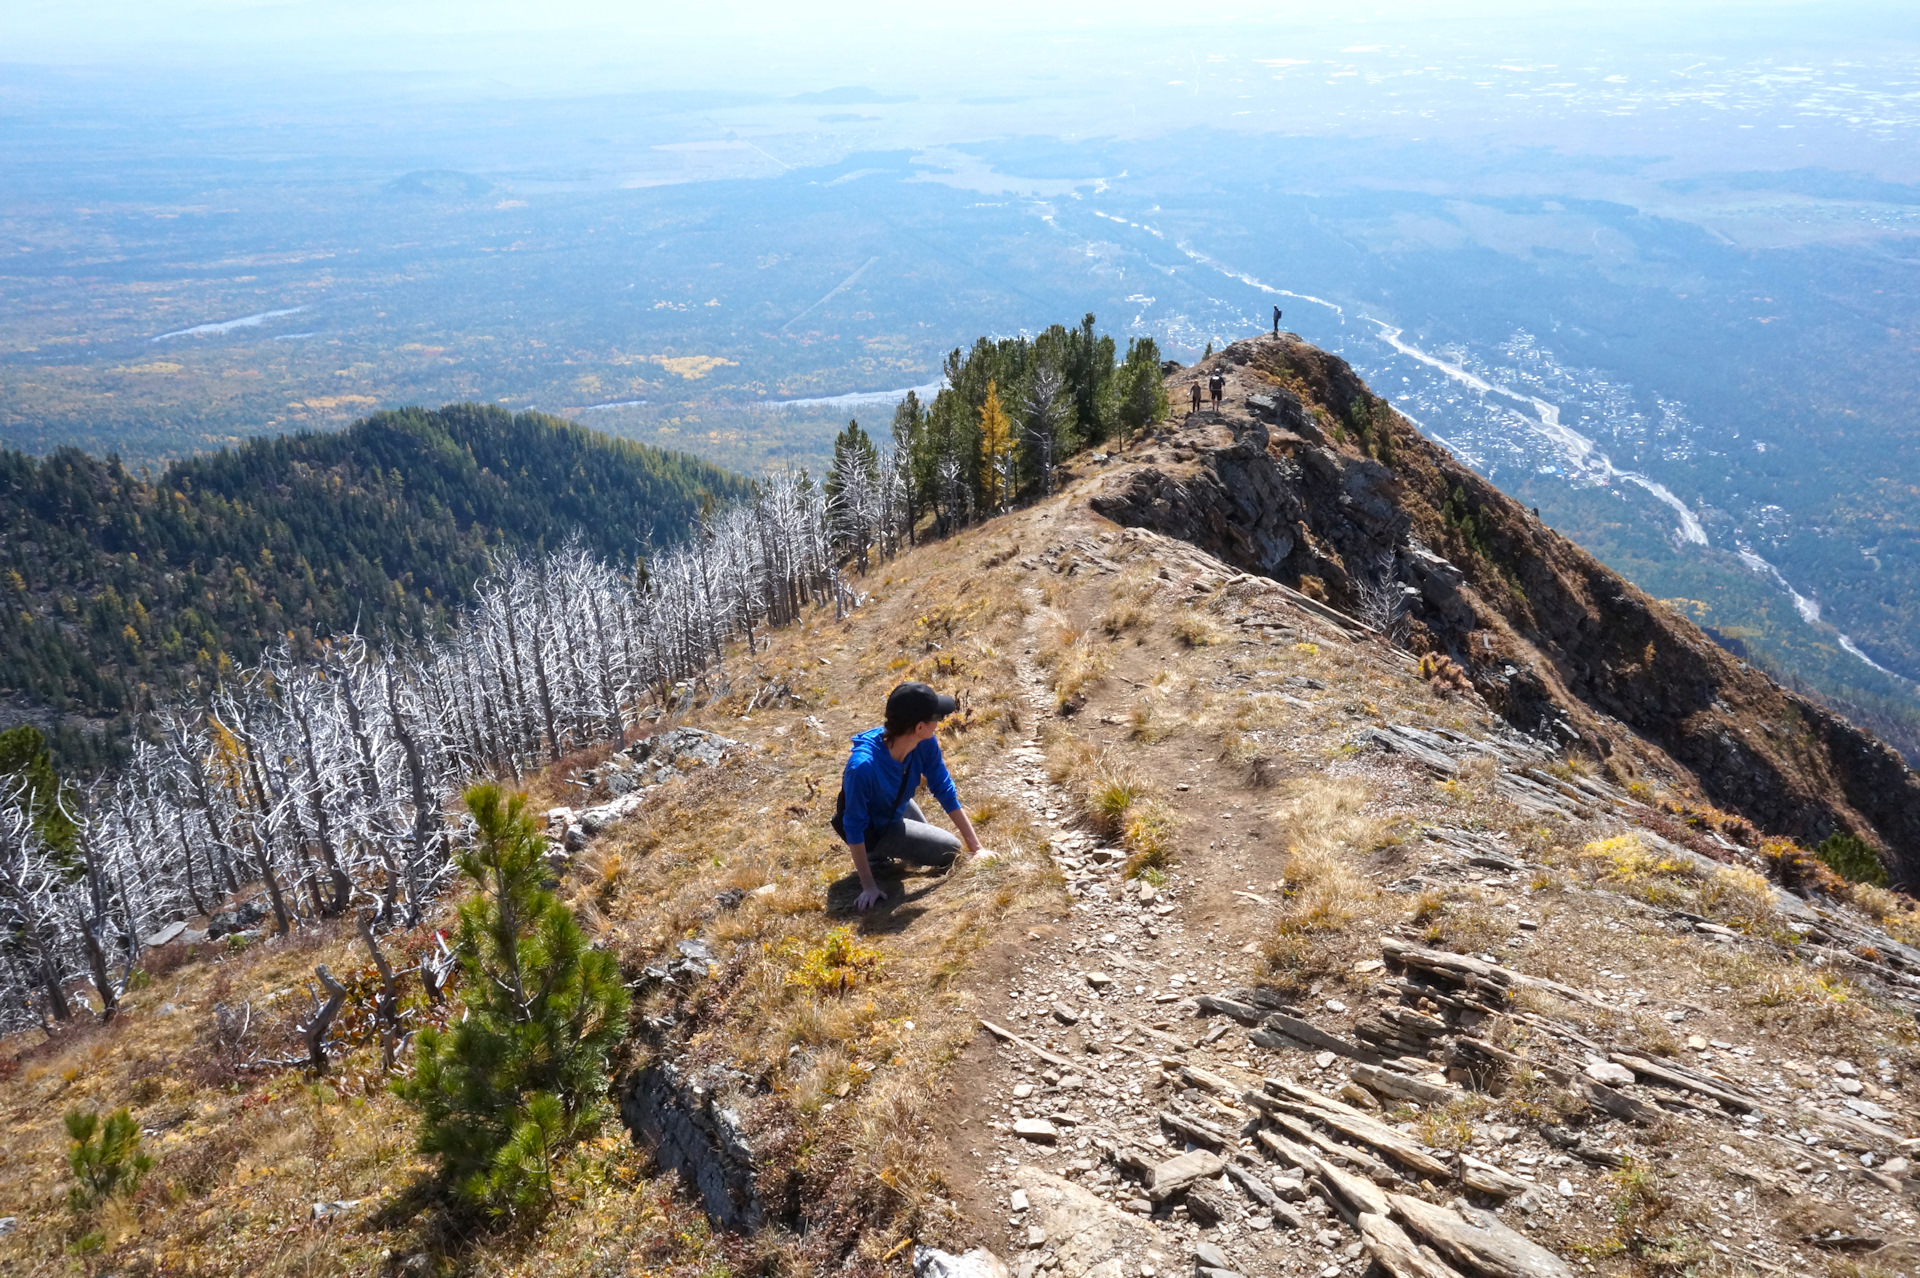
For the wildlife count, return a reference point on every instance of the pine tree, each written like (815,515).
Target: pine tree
(852,448)
(507,1090)
(105,1158)
(996,451)
(1095,393)
(23,751)
(1142,387)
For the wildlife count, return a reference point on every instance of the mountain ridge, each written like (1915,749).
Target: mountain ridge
(1308,477)
(1294,952)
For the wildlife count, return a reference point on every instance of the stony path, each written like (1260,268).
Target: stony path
(1151,1109)
(1108,1000)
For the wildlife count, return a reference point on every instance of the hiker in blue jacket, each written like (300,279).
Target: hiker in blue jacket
(877,814)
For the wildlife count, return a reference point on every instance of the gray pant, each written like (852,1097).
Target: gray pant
(914,840)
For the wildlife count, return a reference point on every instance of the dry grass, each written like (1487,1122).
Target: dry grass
(1627,865)
(1150,837)
(243,1156)
(1897,912)
(1125,615)
(1462,926)
(1195,629)
(1740,899)
(1245,752)
(1074,662)
(1325,832)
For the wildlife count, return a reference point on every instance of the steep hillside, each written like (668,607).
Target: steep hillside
(122,586)
(1308,477)
(1296,959)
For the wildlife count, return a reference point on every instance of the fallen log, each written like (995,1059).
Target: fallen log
(1008,1036)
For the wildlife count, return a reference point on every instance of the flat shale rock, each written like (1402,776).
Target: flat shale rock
(1096,1239)
(1174,1175)
(1036,1129)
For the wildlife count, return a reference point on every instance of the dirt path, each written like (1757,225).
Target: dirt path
(1109,991)
(1107,1062)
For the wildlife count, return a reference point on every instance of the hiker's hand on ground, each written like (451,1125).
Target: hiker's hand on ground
(981,854)
(869,897)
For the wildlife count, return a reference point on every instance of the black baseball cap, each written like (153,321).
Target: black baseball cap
(912,704)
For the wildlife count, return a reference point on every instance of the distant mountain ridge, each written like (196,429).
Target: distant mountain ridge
(118,586)
(1306,476)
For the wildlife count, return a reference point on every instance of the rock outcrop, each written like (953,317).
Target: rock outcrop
(1306,477)
(691,1127)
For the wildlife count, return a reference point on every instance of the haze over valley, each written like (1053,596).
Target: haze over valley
(1651,272)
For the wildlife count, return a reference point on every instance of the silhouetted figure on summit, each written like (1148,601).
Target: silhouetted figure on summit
(1276,321)
(1195,388)
(1216,387)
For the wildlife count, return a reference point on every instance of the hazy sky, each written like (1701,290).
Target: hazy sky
(775,44)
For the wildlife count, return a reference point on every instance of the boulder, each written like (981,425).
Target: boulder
(239,919)
(1609,1073)
(1208,1205)
(931,1262)
(691,1124)
(1095,1239)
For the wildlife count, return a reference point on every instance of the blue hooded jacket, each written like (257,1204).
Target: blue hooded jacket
(872,779)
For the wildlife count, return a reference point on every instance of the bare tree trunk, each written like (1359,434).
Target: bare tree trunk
(315,1030)
(323,829)
(387,1006)
(50,981)
(97,965)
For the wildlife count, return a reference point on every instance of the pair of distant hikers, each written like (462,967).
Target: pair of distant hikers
(876,813)
(1216,387)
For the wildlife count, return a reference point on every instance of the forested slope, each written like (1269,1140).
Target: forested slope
(120,586)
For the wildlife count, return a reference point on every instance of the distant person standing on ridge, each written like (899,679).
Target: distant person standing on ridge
(1196,396)
(1217,386)
(876,810)
(1276,321)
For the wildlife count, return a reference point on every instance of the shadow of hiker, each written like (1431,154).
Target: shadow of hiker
(895,914)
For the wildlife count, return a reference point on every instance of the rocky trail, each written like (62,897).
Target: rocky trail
(1152,1107)
(1143,1097)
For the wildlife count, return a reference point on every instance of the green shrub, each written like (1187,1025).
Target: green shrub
(505,1093)
(105,1158)
(1852,858)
